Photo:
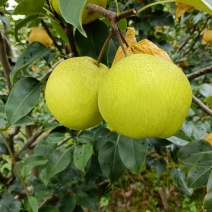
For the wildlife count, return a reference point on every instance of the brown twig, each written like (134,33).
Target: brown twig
(199,73)
(64,141)
(202,105)
(114,18)
(104,47)
(4,60)
(70,35)
(50,35)
(14,163)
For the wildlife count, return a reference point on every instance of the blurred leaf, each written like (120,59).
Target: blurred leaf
(82,154)
(179,179)
(2,2)
(32,53)
(199,173)
(29,7)
(72,13)
(48,208)
(67,203)
(209,183)
(159,165)
(132,152)
(2,111)
(206,89)
(9,204)
(161,18)
(22,99)
(33,203)
(59,30)
(110,161)
(207,204)
(58,161)
(35,160)
(208,100)
(92,45)
(23,23)
(192,152)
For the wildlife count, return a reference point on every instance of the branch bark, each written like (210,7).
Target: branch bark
(202,105)
(199,73)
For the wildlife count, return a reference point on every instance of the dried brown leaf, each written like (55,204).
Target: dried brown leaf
(142,47)
(182,8)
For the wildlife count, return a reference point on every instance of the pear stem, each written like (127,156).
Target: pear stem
(104,47)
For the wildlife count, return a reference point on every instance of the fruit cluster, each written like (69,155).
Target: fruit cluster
(140,96)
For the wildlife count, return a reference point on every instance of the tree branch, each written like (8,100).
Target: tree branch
(30,141)
(202,105)
(4,60)
(71,39)
(199,73)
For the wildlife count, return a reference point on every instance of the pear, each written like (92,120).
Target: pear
(143,96)
(88,16)
(71,92)
(41,36)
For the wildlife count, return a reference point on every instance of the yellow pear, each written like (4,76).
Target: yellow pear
(71,92)
(143,96)
(41,36)
(88,16)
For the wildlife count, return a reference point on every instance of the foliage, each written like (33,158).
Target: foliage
(47,167)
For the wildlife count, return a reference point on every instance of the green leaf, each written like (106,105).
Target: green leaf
(29,7)
(190,153)
(132,152)
(199,173)
(204,5)
(82,154)
(24,121)
(32,53)
(58,161)
(182,137)
(9,204)
(23,23)
(22,99)
(159,165)
(92,45)
(110,161)
(179,179)
(72,13)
